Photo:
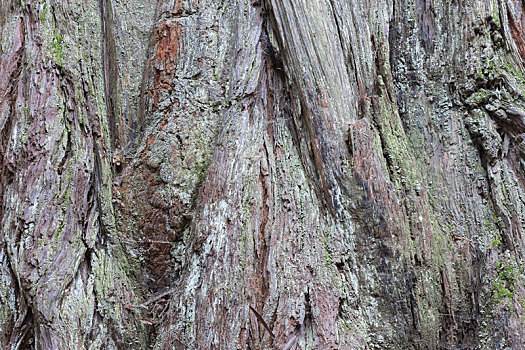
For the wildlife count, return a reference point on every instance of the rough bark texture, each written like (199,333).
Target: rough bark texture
(249,174)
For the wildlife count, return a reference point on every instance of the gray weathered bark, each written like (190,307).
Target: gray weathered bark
(307,174)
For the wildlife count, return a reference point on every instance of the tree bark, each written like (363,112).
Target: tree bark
(262,174)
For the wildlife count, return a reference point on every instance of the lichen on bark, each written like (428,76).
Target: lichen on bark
(264,174)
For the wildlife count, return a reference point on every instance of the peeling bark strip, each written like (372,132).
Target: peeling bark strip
(110,69)
(516,32)
(304,174)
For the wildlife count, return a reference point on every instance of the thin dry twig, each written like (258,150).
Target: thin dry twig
(155,298)
(261,319)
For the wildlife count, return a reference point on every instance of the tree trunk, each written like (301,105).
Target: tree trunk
(262,174)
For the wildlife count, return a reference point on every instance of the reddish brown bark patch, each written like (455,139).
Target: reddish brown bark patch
(517,33)
(168,44)
(169,47)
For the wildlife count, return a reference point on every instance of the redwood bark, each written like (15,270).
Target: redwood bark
(277,174)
